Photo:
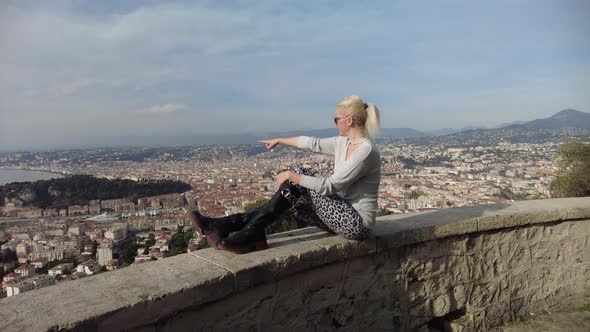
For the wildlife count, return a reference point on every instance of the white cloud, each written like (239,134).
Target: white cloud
(275,65)
(166,109)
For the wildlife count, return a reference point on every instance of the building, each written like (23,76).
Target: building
(10,277)
(21,235)
(30,284)
(110,204)
(77,210)
(97,233)
(40,262)
(51,212)
(19,287)
(57,229)
(89,267)
(104,254)
(77,230)
(38,237)
(50,254)
(30,213)
(165,223)
(25,270)
(9,208)
(60,269)
(94,207)
(124,207)
(22,250)
(43,280)
(115,234)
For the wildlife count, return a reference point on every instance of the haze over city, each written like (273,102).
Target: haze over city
(82,73)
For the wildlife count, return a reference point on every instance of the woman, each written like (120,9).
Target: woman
(344,203)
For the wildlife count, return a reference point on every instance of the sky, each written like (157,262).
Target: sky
(99,72)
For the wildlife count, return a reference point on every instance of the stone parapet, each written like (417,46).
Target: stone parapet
(465,268)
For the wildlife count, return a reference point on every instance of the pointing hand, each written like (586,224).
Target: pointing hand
(270,143)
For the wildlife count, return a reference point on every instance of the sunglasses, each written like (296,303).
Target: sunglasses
(336,119)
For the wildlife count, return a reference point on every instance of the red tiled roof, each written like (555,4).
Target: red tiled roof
(24,267)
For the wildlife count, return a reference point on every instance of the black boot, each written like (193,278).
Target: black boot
(252,236)
(215,229)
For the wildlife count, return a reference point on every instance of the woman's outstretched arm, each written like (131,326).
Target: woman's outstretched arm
(271,143)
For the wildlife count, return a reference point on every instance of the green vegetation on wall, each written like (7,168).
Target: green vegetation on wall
(573,177)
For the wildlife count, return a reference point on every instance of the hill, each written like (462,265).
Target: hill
(568,118)
(80,189)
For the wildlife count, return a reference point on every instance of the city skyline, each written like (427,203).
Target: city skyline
(98,73)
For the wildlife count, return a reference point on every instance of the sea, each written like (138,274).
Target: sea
(18,175)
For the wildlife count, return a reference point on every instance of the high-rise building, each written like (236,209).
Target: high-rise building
(77,230)
(104,254)
(22,249)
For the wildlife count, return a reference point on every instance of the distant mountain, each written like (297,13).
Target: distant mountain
(385,133)
(401,132)
(441,132)
(448,131)
(566,125)
(567,118)
(508,124)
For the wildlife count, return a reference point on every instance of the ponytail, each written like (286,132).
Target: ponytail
(373,124)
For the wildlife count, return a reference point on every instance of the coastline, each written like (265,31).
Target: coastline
(63,173)
(21,175)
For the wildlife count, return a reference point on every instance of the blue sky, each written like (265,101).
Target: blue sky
(101,71)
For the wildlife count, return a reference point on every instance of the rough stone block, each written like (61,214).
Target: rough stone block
(151,291)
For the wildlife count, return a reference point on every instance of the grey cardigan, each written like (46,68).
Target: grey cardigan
(356,180)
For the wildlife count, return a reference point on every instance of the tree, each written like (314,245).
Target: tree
(128,250)
(80,189)
(179,241)
(413,194)
(8,256)
(509,194)
(573,176)
(149,243)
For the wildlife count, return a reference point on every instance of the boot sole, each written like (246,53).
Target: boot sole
(251,247)
(212,238)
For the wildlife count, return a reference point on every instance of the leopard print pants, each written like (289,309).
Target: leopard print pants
(330,213)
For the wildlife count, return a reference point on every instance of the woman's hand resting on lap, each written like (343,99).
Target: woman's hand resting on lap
(282,177)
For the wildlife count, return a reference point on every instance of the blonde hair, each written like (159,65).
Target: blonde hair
(364,115)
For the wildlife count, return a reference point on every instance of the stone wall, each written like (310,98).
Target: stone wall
(463,269)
